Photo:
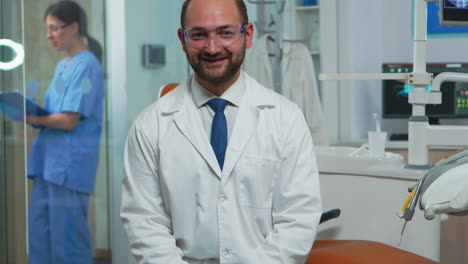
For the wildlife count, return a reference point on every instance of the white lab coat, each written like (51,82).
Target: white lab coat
(179,207)
(299,82)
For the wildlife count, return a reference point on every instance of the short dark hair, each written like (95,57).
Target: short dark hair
(240,6)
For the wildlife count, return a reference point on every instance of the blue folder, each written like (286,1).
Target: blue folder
(14,103)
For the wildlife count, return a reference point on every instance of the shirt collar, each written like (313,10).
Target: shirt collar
(233,94)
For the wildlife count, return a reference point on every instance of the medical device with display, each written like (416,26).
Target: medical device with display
(454,94)
(453,12)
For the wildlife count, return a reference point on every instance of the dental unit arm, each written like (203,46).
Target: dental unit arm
(421,134)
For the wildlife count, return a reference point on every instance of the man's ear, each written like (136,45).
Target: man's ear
(249,33)
(180,33)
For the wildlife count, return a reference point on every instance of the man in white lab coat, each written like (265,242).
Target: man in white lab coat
(237,184)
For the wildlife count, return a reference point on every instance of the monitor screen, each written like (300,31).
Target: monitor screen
(454,12)
(454,95)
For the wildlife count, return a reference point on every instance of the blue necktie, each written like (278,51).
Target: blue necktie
(219,129)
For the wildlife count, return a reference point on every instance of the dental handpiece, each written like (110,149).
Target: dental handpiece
(410,209)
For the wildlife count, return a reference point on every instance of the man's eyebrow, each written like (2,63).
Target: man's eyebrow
(203,28)
(197,28)
(223,27)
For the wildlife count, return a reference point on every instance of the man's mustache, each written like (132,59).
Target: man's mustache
(218,55)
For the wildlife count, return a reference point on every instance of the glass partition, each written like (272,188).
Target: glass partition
(3,227)
(24,23)
(12,142)
(3,204)
(41,62)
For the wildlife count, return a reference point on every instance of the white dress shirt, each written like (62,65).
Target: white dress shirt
(233,95)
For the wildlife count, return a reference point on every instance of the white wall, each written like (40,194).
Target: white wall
(371,33)
(152,22)
(116,108)
(360,51)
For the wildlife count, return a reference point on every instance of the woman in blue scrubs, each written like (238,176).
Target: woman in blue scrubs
(64,157)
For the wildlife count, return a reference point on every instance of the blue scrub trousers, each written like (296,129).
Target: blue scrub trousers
(57,225)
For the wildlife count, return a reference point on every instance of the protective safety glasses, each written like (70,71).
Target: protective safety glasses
(223,36)
(55,28)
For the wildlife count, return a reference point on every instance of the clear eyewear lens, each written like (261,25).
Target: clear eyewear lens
(223,36)
(55,28)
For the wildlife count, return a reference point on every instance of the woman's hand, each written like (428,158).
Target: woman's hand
(30,119)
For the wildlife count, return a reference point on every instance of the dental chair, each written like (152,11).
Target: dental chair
(167,88)
(361,252)
(358,251)
(442,190)
(347,251)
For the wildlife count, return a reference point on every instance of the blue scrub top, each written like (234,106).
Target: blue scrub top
(70,158)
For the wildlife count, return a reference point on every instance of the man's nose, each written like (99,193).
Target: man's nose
(212,45)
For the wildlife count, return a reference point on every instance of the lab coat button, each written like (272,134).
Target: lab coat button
(222,199)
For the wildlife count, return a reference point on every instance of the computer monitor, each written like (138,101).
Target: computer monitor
(453,12)
(454,95)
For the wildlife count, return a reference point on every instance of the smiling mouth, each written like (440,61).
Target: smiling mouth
(213,59)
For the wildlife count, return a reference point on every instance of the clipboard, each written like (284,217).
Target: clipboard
(15,102)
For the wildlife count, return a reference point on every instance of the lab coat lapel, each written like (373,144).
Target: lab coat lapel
(244,128)
(190,125)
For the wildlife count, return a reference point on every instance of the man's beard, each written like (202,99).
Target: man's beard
(231,68)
